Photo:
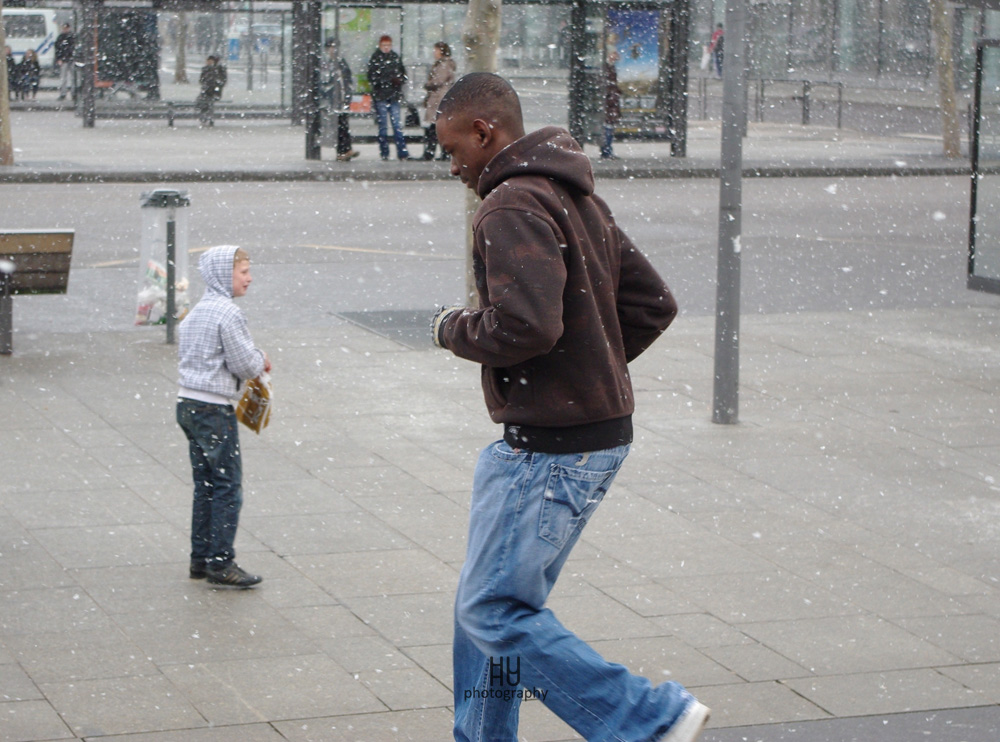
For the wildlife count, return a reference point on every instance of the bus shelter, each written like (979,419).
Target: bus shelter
(984,223)
(123,48)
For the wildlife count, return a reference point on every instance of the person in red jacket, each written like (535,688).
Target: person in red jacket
(715,46)
(565,302)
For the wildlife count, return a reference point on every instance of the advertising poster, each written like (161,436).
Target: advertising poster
(635,36)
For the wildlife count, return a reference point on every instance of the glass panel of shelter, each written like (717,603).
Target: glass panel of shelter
(984,255)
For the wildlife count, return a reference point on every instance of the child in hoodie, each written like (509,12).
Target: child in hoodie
(216,355)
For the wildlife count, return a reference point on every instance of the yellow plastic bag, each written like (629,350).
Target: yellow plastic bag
(254,409)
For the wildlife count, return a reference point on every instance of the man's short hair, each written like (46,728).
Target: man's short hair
(483,95)
(385,37)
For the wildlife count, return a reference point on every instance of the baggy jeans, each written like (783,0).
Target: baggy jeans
(217,469)
(528,510)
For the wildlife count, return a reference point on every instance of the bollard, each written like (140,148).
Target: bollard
(6,309)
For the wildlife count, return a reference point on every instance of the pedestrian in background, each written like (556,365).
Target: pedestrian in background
(29,73)
(337,89)
(212,80)
(216,355)
(387,76)
(715,46)
(12,80)
(65,43)
(440,77)
(566,301)
(612,105)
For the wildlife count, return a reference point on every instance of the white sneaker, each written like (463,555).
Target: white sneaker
(690,725)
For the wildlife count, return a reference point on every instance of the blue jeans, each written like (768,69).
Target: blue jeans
(384,110)
(527,512)
(608,142)
(217,470)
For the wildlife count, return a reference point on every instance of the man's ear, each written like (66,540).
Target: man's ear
(483,131)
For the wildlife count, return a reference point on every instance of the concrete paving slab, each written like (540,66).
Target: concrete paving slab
(752,704)
(303,686)
(234,733)
(755,663)
(406,688)
(350,531)
(122,705)
(408,620)
(951,725)
(661,659)
(30,721)
(83,654)
(369,654)
(886,692)
(361,573)
(845,644)
(399,726)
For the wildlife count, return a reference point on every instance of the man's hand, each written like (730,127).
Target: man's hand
(438,321)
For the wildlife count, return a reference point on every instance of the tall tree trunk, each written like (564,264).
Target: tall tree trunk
(481,39)
(941,23)
(180,68)
(6,143)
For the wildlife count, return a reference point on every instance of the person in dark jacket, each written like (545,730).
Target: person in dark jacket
(65,43)
(12,80)
(566,301)
(212,80)
(337,89)
(29,73)
(387,75)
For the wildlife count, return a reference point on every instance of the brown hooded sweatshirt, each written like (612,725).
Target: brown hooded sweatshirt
(566,301)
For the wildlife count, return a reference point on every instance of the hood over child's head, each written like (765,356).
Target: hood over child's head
(216,268)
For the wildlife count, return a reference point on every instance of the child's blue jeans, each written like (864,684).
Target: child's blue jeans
(527,512)
(217,470)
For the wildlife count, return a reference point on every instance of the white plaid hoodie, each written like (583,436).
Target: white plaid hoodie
(215,348)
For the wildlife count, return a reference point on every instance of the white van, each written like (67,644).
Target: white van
(32,28)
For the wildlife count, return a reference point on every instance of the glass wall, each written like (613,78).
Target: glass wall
(861,40)
(984,236)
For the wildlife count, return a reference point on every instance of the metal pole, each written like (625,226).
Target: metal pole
(577,56)
(725,407)
(6,312)
(171,273)
(250,45)
(314,15)
(86,106)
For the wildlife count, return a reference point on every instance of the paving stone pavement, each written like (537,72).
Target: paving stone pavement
(831,556)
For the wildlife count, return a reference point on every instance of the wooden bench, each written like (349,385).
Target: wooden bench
(32,261)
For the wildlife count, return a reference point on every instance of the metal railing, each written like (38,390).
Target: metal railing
(760,85)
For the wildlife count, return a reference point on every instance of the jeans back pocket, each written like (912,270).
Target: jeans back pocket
(570,498)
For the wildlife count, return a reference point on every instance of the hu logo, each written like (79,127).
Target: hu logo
(501,675)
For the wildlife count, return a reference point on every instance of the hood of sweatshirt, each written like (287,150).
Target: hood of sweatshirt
(549,152)
(216,268)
